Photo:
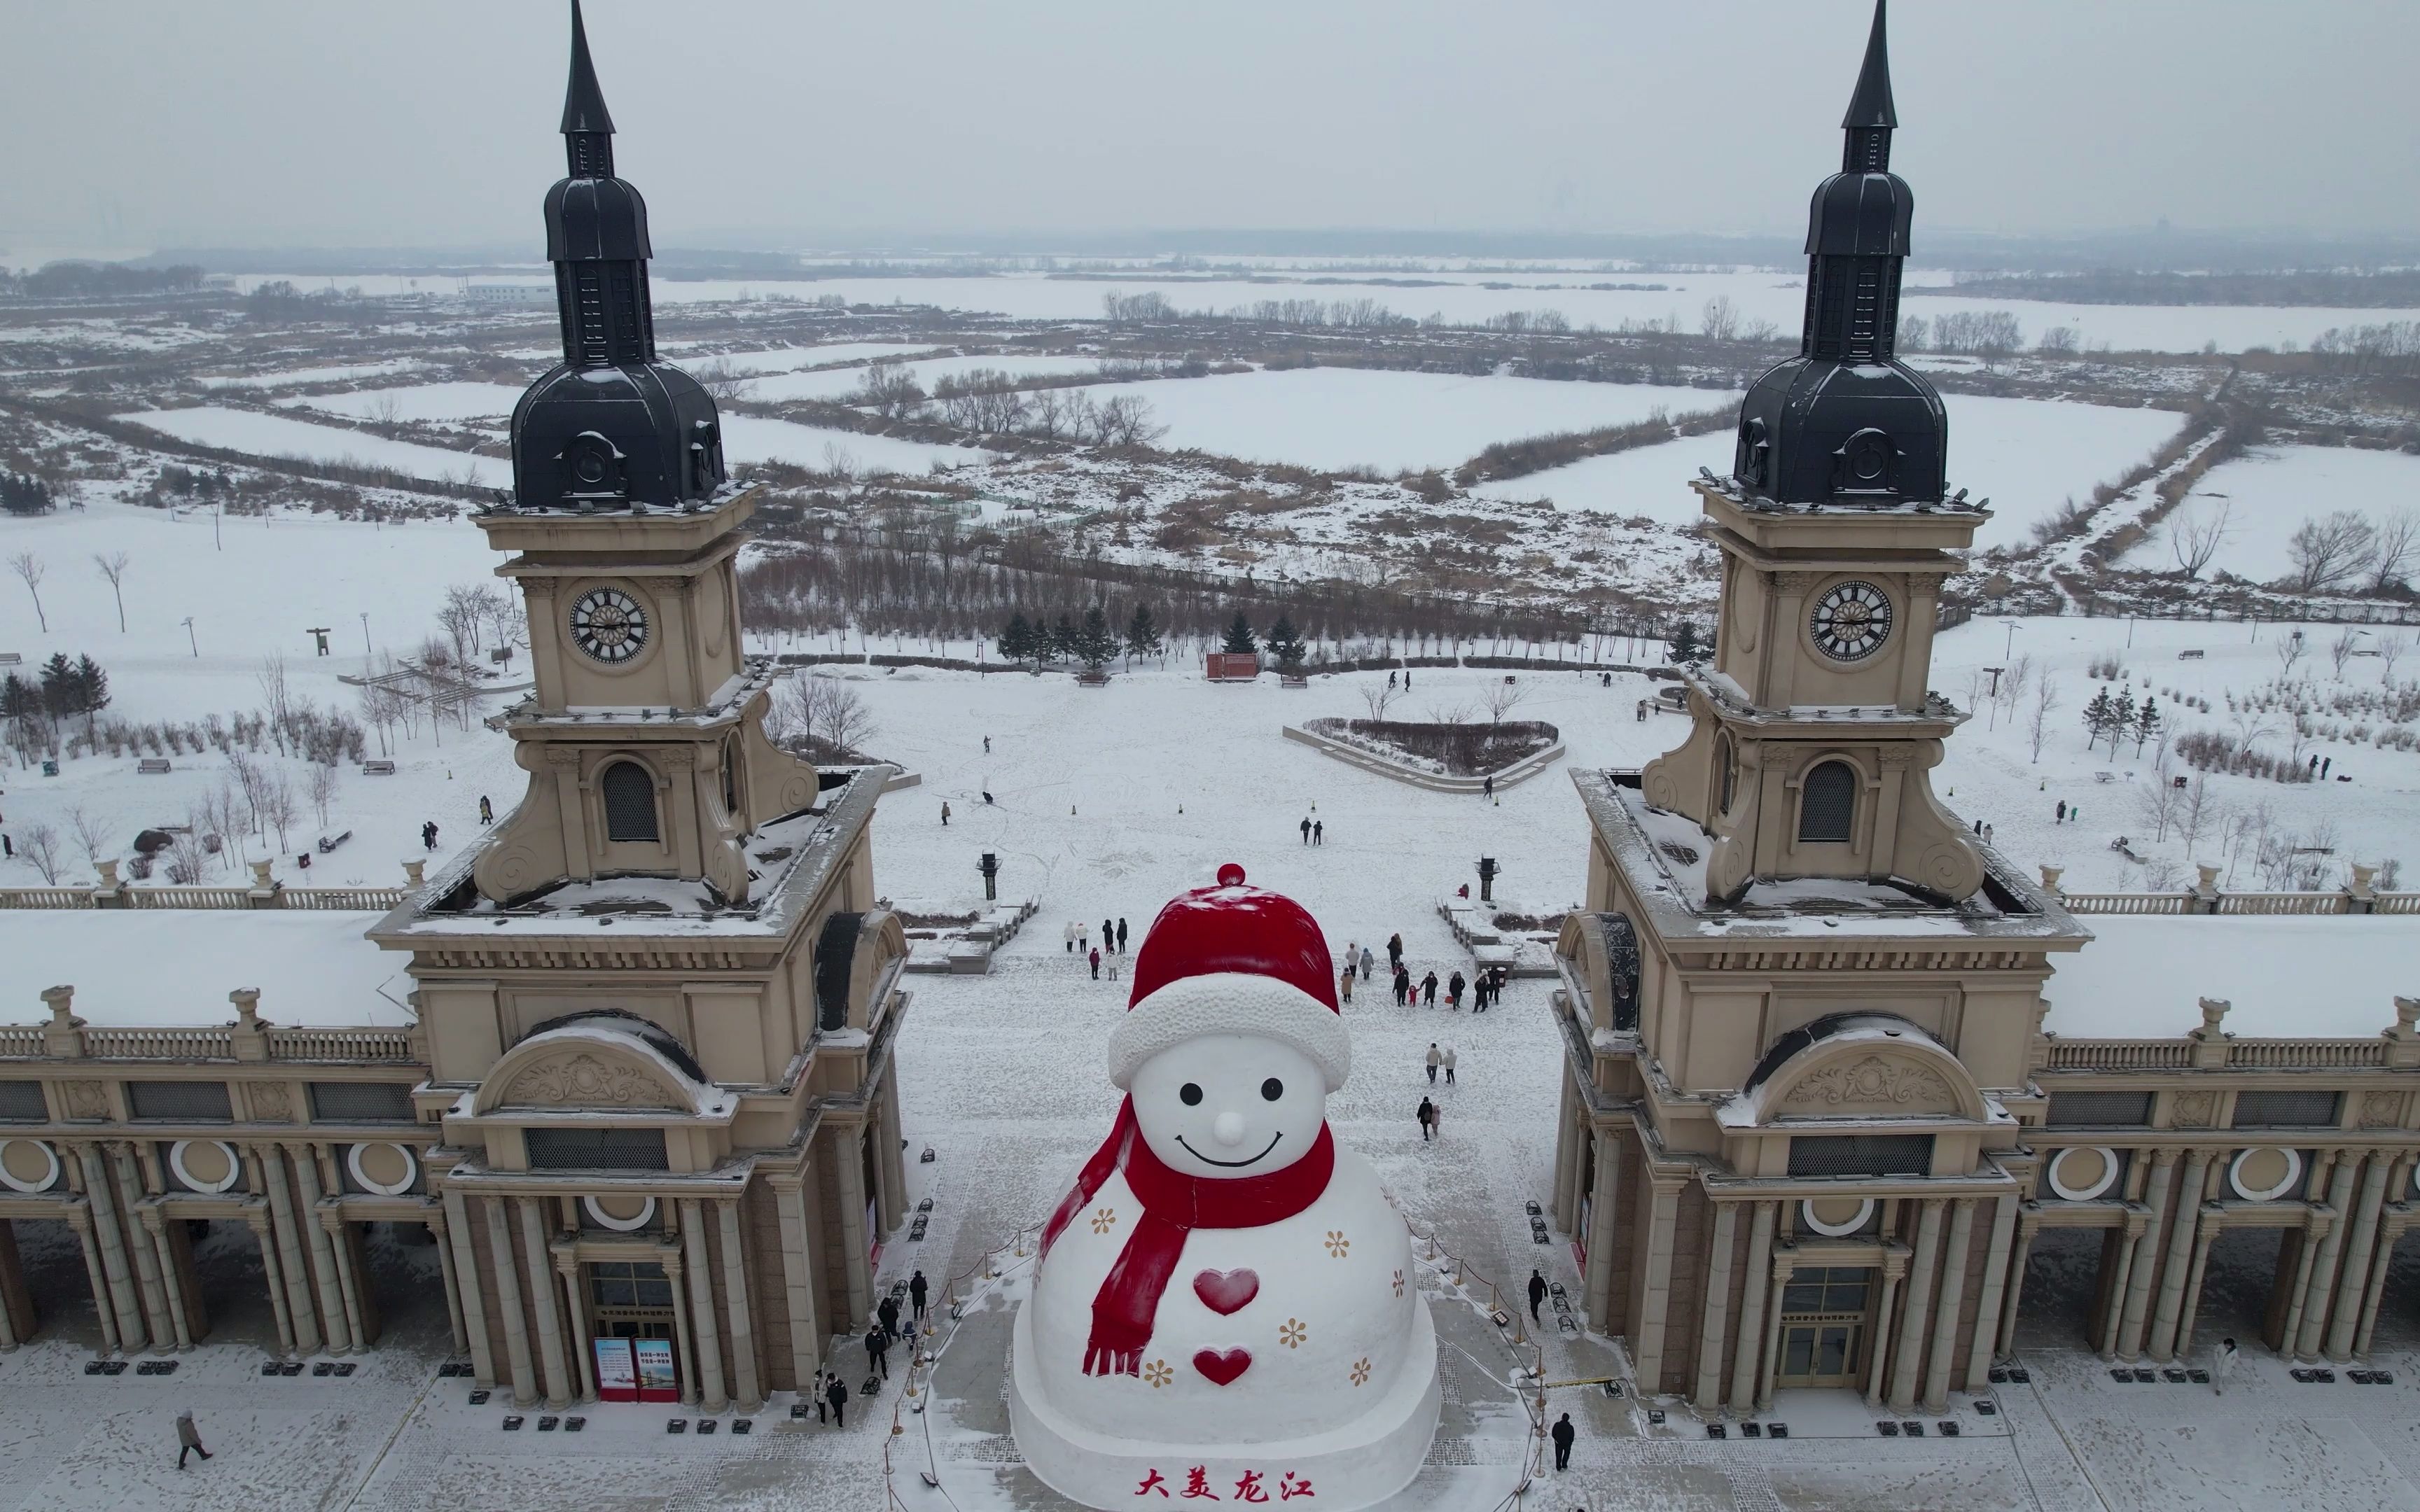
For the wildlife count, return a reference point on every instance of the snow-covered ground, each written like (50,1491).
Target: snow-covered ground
(2258,501)
(248,430)
(839,382)
(1348,417)
(417,401)
(755,438)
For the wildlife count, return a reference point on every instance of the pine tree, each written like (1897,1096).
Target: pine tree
(1065,641)
(2147,724)
(1017,642)
(59,686)
(1239,637)
(1095,642)
(19,698)
(1285,644)
(91,689)
(1684,640)
(2099,717)
(1142,636)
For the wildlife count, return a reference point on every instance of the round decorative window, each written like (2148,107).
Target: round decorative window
(625,1213)
(2264,1173)
(387,1170)
(205,1164)
(1836,1217)
(27,1165)
(608,624)
(1851,621)
(2084,1172)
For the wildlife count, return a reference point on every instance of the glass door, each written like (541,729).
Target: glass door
(1824,1315)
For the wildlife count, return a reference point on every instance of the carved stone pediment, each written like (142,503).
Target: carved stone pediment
(1873,1084)
(584,1079)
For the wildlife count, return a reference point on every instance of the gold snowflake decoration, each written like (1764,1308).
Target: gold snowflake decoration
(1338,1243)
(1361,1370)
(1399,1283)
(1293,1334)
(1104,1219)
(1159,1374)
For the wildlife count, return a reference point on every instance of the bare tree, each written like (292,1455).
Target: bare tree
(323,789)
(222,814)
(90,833)
(2038,715)
(2290,647)
(277,699)
(1380,698)
(112,566)
(189,860)
(2329,553)
(2340,650)
(721,378)
(40,844)
(277,804)
(1125,421)
(1501,697)
(2390,651)
(2196,539)
(2156,800)
(891,389)
(839,717)
(252,784)
(28,568)
(2198,810)
(386,407)
(2396,545)
(1720,320)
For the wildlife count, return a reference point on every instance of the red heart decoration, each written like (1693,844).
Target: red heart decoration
(1226,1291)
(1223,1368)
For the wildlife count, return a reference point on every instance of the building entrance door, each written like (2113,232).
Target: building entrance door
(1823,1326)
(628,1300)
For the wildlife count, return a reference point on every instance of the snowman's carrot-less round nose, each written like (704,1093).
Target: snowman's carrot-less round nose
(1228,1129)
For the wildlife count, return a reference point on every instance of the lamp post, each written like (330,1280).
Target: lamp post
(989,867)
(1488,870)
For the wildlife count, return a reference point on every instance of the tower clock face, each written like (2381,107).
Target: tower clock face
(1851,621)
(608,625)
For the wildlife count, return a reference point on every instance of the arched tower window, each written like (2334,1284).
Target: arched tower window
(630,802)
(1827,803)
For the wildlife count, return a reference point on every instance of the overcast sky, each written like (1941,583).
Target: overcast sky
(774,122)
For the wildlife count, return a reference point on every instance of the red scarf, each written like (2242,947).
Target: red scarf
(1173,1205)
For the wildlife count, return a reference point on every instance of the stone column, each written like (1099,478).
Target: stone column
(323,1252)
(1909,1346)
(559,1388)
(712,1397)
(2147,1254)
(2026,1227)
(290,1265)
(1881,1363)
(2206,1233)
(2344,1316)
(2113,1315)
(155,1233)
(1749,1352)
(735,1288)
(1597,1286)
(1784,1266)
(798,1269)
(1714,1315)
(474,1306)
(1944,1312)
(439,1228)
(891,1175)
(128,1187)
(1647,1329)
(675,1273)
(2305,1252)
(105,1307)
(508,1301)
(258,1221)
(349,1281)
(2175,1270)
(1568,1132)
(850,1159)
(566,1266)
(2388,1233)
(2323,1270)
(1987,1304)
(117,1267)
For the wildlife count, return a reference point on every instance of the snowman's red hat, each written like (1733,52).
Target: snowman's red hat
(1232,960)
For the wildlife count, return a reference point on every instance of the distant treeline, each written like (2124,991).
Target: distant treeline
(88,279)
(2397,289)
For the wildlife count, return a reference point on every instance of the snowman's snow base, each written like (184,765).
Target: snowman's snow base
(1356,1464)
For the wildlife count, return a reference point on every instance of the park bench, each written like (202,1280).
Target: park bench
(153,766)
(329,842)
(378,768)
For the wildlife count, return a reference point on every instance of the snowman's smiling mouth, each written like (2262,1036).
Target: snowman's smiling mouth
(1232,1164)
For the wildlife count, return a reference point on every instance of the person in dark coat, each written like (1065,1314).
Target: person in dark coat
(1564,1434)
(1109,936)
(487,811)
(889,1313)
(1319,832)
(1122,937)
(1427,1116)
(1305,830)
(916,1291)
(1402,986)
(836,1392)
(1454,990)
(1428,989)
(1394,949)
(878,1350)
(1097,963)
(1536,1294)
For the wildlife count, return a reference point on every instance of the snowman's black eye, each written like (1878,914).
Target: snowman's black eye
(1190,1093)
(1273,1088)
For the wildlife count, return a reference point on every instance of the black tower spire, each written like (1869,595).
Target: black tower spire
(610,426)
(1845,421)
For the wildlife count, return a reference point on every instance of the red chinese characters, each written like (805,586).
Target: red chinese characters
(1250,1487)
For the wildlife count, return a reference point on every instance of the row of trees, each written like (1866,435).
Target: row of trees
(1988,334)
(63,690)
(988,402)
(23,494)
(2344,550)
(2120,720)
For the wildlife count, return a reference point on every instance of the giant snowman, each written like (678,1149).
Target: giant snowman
(1225,1303)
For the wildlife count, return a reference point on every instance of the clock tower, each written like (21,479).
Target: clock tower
(1814,728)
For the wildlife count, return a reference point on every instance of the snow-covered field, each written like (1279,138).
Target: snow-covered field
(839,382)
(2258,501)
(1347,417)
(247,430)
(2030,456)
(755,438)
(448,402)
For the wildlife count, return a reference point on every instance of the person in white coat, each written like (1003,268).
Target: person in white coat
(2221,1366)
(1449,1061)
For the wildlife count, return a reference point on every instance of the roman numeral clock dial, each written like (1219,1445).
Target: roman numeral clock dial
(609,626)
(1851,621)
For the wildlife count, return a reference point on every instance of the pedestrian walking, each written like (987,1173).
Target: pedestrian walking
(1436,1121)
(1097,963)
(1344,987)
(1109,936)
(2325,763)
(1319,832)
(1428,1118)
(889,1313)
(878,1350)
(1394,949)
(189,1437)
(1536,1293)
(986,745)
(1390,679)
(1403,985)
(1070,932)
(429,834)
(2075,813)
(1122,937)
(2062,812)
(2221,1366)
(1368,961)
(1428,989)
(1437,1059)
(945,813)
(1449,1065)
(822,1408)
(1453,992)
(487,811)
(1488,789)
(1305,830)
(916,1292)
(1564,1434)
(836,1392)
(8,848)
(1083,936)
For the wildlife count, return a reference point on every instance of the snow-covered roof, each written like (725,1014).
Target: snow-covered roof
(2299,976)
(173,968)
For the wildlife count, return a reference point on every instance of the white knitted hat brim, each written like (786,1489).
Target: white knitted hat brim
(1230,1002)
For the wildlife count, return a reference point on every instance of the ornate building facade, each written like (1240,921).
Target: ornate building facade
(1826,1085)
(644,1092)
